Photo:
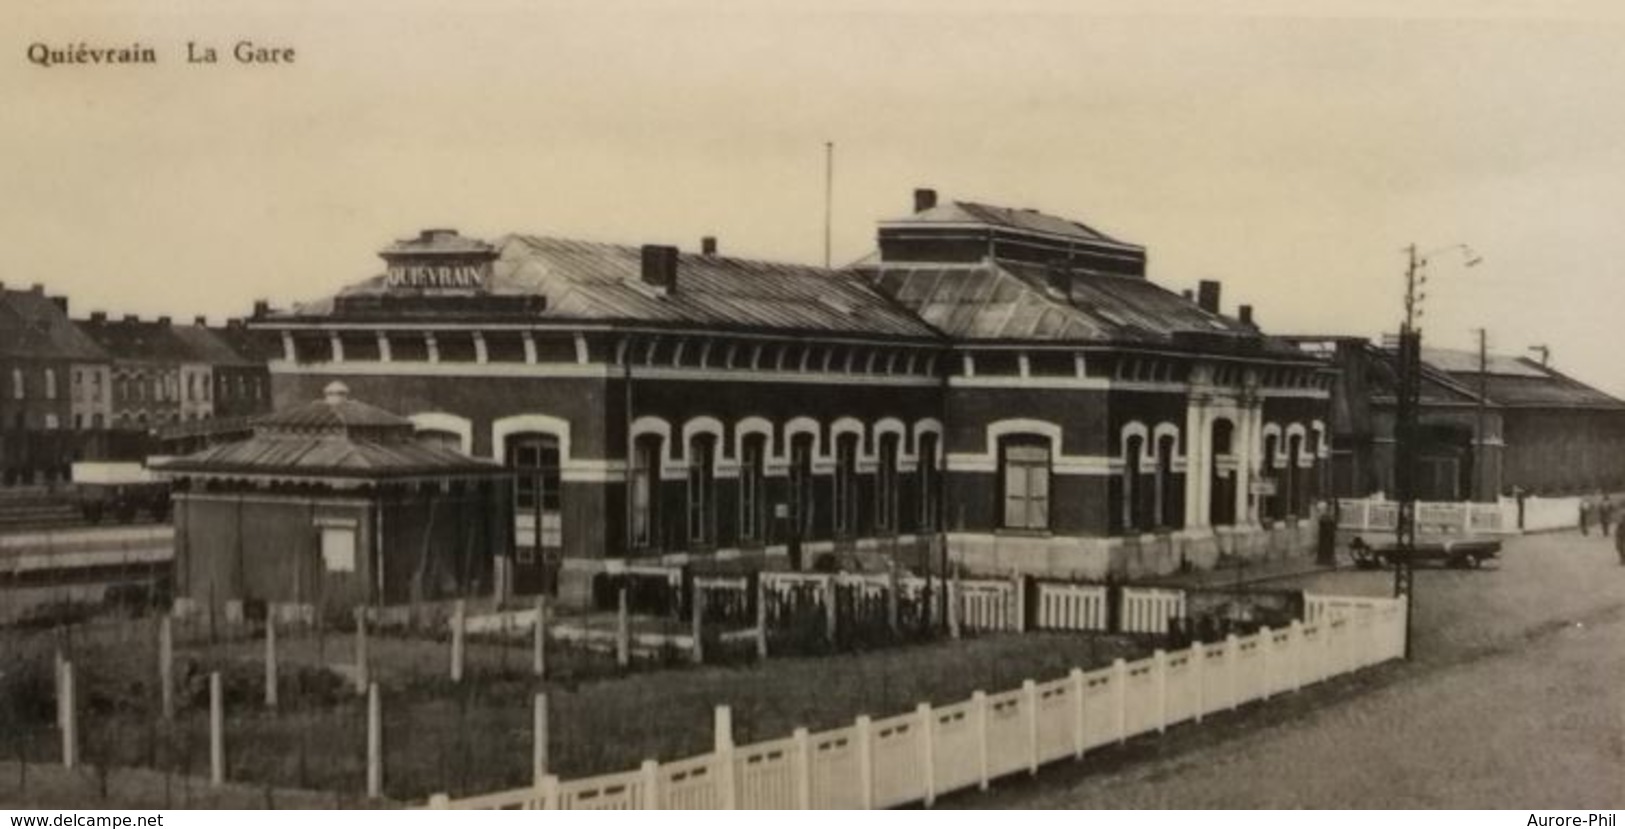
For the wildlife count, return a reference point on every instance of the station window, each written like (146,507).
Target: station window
(1025,466)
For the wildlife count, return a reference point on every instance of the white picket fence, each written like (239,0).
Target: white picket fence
(920,755)
(1444,518)
(1148,609)
(1071,606)
(984,604)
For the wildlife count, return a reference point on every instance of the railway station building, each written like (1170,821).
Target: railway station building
(1002,390)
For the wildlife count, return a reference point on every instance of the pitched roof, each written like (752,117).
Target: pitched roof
(1023,219)
(126,339)
(208,347)
(1017,301)
(334,437)
(32,325)
(596,281)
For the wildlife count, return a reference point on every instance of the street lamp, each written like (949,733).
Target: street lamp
(1406,416)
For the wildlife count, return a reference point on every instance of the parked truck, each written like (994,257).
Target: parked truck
(120,490)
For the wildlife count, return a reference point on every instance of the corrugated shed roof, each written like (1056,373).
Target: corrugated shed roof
(595,281)
(31,325)
(1456,361)
(1541,388)
(1014,301)
(1022,219)
(332,437)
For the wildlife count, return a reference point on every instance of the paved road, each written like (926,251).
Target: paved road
(1516,699)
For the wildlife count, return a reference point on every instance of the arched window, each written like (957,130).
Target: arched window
(1291,480)
(801,485)
(1222,500)
(846,485)
(886,484)
(752,498)
(930,481)
(534,458)
(1272,500)
(1133,515)
(440,438)
(702,504)
(1163,512)
(645,501)
(1025,472)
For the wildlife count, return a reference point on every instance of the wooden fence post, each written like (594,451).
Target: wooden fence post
(1120,697)
(538,654)
(1029,706)
(375,743)
(727,786)
(978,700)
(1294,650)
(761,618)
(928,753)
(864,739)
(623,632)
(893,600)
(549,792)
(1075,687)
(363,668)
(953,593)
(1197,653)
(69,707)
(1019,583)
(538,739)
(1159,673)
(831,614)
(804,768)
(166,664)
(459,625)
(697,609)
(1266,643)
(60,686)
(650,772)
(1230,654)
(270,662)
(217,731)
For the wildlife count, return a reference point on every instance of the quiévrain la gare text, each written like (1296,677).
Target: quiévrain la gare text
(245,52)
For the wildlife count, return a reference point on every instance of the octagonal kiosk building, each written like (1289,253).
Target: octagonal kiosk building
(335,504)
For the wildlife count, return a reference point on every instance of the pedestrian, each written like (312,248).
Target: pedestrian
(1605,516)
(1585,516)
(1619,546)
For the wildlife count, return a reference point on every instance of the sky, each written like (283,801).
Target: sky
(1290,155)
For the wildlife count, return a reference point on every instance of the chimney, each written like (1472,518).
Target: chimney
(660,267)
(1207,296)
(262,308)
(200,321)
(924,199)
(131,318)
(37,288)
(1188,295)
(708,246)
(164,321)
(61,302)
(1245,314)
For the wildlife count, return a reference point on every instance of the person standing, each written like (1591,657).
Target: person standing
(1585,516)
(1605,516)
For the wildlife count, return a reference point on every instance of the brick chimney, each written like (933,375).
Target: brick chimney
(660,267)
(1207,296)
(1245,314)
(61,302)
(164,321)
(132,318)
(708,246)
(924,199)
(98,316)
(262,308)
(200,321)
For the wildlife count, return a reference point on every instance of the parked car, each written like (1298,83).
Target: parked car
(1455,552)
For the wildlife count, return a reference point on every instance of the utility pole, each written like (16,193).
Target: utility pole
(1480,473)
(1410,365)
(829,195)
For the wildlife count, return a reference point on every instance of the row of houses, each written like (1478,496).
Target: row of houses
(100,388)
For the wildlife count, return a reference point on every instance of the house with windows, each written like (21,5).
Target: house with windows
(1491,425)
(53,385)
(1002,389)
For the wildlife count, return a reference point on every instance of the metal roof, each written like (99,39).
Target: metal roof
(1022,219)
(140,340)
(1017,301)
(208,346)
(334,437)
(596,281)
